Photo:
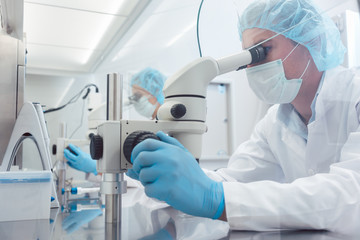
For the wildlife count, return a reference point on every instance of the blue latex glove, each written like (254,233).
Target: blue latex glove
(76,219)
(163,234)
(170,173)
(80,160)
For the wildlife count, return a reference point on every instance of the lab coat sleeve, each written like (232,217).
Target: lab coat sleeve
(328,201)
(254,160)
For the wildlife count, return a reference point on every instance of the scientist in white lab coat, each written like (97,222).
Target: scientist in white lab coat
(300,169)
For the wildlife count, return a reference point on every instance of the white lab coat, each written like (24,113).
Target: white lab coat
(278,180)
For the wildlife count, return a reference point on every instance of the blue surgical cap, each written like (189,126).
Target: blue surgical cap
(152,81)
(300,21)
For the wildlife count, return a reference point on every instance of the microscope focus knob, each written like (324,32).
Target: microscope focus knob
(134,139)
(178,111)
(96,147)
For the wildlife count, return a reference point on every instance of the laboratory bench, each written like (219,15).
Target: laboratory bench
(141,218)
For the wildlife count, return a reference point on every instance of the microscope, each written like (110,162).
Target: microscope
(182,116)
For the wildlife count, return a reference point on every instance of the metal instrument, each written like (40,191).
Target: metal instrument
(182,116)
(30,124)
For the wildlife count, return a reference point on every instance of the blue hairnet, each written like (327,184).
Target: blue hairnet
(317,31)
(152,81)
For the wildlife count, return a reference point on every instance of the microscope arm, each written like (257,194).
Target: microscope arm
(185,92)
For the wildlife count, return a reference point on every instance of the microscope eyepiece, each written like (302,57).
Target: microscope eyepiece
(257,54)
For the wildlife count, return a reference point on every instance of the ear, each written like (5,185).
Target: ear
(156,109)
(153,100)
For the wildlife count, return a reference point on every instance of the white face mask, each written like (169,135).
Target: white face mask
(144,107)
(269,83)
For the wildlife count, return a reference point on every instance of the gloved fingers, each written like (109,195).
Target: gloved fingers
(68,221)
(69,155)
(147,145)
(131,173)
(72,228)
(74,148)
(143,159)
(166,138)
(162,234)
(152,190)
(73,164)
(87,156)
(92,166)
(70,164)
(149,175)
(86,160)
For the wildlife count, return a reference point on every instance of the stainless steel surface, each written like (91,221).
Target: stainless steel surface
(20,94)
(12,17)
(110,161)
(113,183)
(20,86)
(113,231)
(114,97)
(61,171)
(60,183)
(113,186)
(112,208)
(12,87)
(144,218)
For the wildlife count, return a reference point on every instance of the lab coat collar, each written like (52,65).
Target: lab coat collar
(291,119)
(315,98)
(327,94)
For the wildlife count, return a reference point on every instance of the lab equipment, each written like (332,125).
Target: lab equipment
(152,81)
(61,143)
(25,195)
(80,160)
(93,99)
(182,116)
(95,117)
(12,85)
(82,190)
(300,21)
(184,186)
(30,124)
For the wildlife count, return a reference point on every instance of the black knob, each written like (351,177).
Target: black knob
(178,110)
(134,139)
(91,135)
(96,147)
(54,149)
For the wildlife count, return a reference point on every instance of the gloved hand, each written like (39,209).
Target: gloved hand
(76,219)
(170,173)
(80,160)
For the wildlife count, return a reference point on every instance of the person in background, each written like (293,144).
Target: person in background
(301,167)
(147,92)
(147,96)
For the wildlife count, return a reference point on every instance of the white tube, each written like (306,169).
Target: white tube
(234,62)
